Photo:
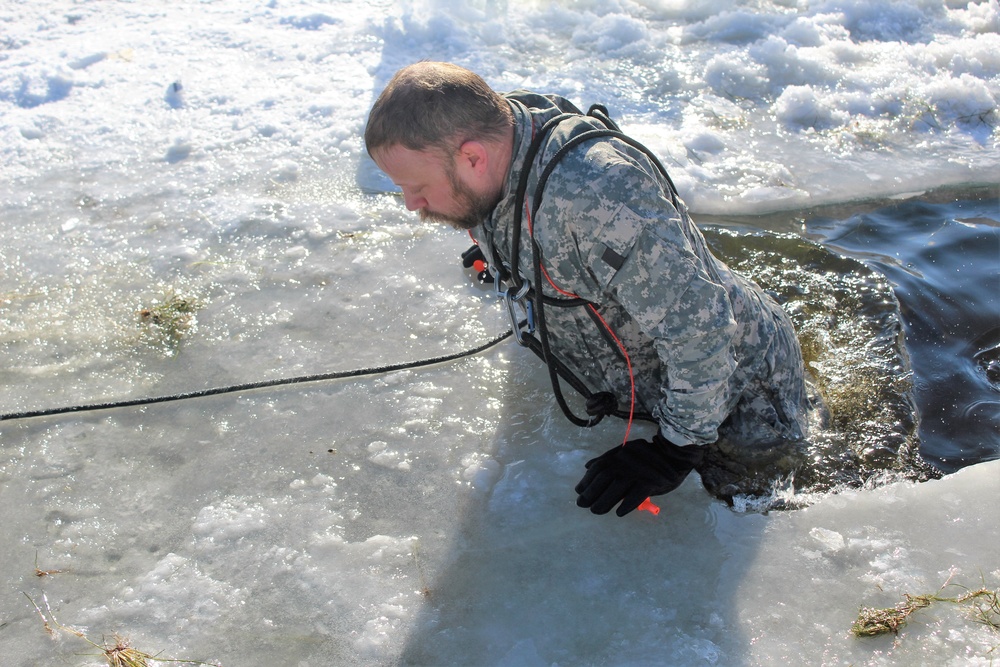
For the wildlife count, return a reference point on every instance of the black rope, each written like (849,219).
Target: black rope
(340,375)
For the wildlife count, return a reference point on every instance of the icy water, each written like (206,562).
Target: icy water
(185,204)
(385,519)
(943,258)
(81,323)
(941,255)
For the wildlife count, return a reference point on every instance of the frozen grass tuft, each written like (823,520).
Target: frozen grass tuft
(120,653)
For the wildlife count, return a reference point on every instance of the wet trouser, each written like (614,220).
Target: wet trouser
(774,407)
(764,436)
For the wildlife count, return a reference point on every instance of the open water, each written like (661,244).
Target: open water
(943,259)
(941,256)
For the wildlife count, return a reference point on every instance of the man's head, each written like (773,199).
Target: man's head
(444,136)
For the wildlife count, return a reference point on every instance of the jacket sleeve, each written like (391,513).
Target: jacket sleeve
(690,318)
(636,249)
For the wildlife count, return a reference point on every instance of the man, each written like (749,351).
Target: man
(630,304)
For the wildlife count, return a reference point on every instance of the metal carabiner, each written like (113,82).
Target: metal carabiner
(512,301)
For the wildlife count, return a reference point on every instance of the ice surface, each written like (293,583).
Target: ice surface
(426,516)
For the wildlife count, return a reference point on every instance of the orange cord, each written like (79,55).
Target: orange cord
(607,327)
(646,505)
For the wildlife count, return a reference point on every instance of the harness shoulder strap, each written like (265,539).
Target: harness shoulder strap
(603,403)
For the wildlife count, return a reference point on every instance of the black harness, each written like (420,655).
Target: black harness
(531,301)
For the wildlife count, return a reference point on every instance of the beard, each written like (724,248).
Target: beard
(472,207)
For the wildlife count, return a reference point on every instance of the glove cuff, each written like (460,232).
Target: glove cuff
(691,455)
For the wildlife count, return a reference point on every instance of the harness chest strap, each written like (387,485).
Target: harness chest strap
(534,300)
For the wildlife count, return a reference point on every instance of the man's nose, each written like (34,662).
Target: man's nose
(413,202)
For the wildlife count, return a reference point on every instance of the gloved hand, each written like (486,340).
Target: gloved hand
(473,258)
(632,472)
(473,255)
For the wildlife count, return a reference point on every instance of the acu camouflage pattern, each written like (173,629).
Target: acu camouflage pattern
(713,356)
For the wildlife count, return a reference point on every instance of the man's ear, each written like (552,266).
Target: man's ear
(473,156)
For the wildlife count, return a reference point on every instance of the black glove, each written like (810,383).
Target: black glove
(632,472)
(472,255)
(473,258)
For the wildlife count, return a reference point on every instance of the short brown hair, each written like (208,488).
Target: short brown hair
(433,105)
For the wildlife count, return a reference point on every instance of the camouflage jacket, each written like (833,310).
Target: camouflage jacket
(696,333)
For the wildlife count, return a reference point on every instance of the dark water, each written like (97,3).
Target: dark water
(906,298)
(943,261)
(849,323)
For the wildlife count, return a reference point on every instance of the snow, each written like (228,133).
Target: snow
(427,516)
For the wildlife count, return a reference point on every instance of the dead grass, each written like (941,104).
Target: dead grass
(173,315)
(118,653)
(873,622)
